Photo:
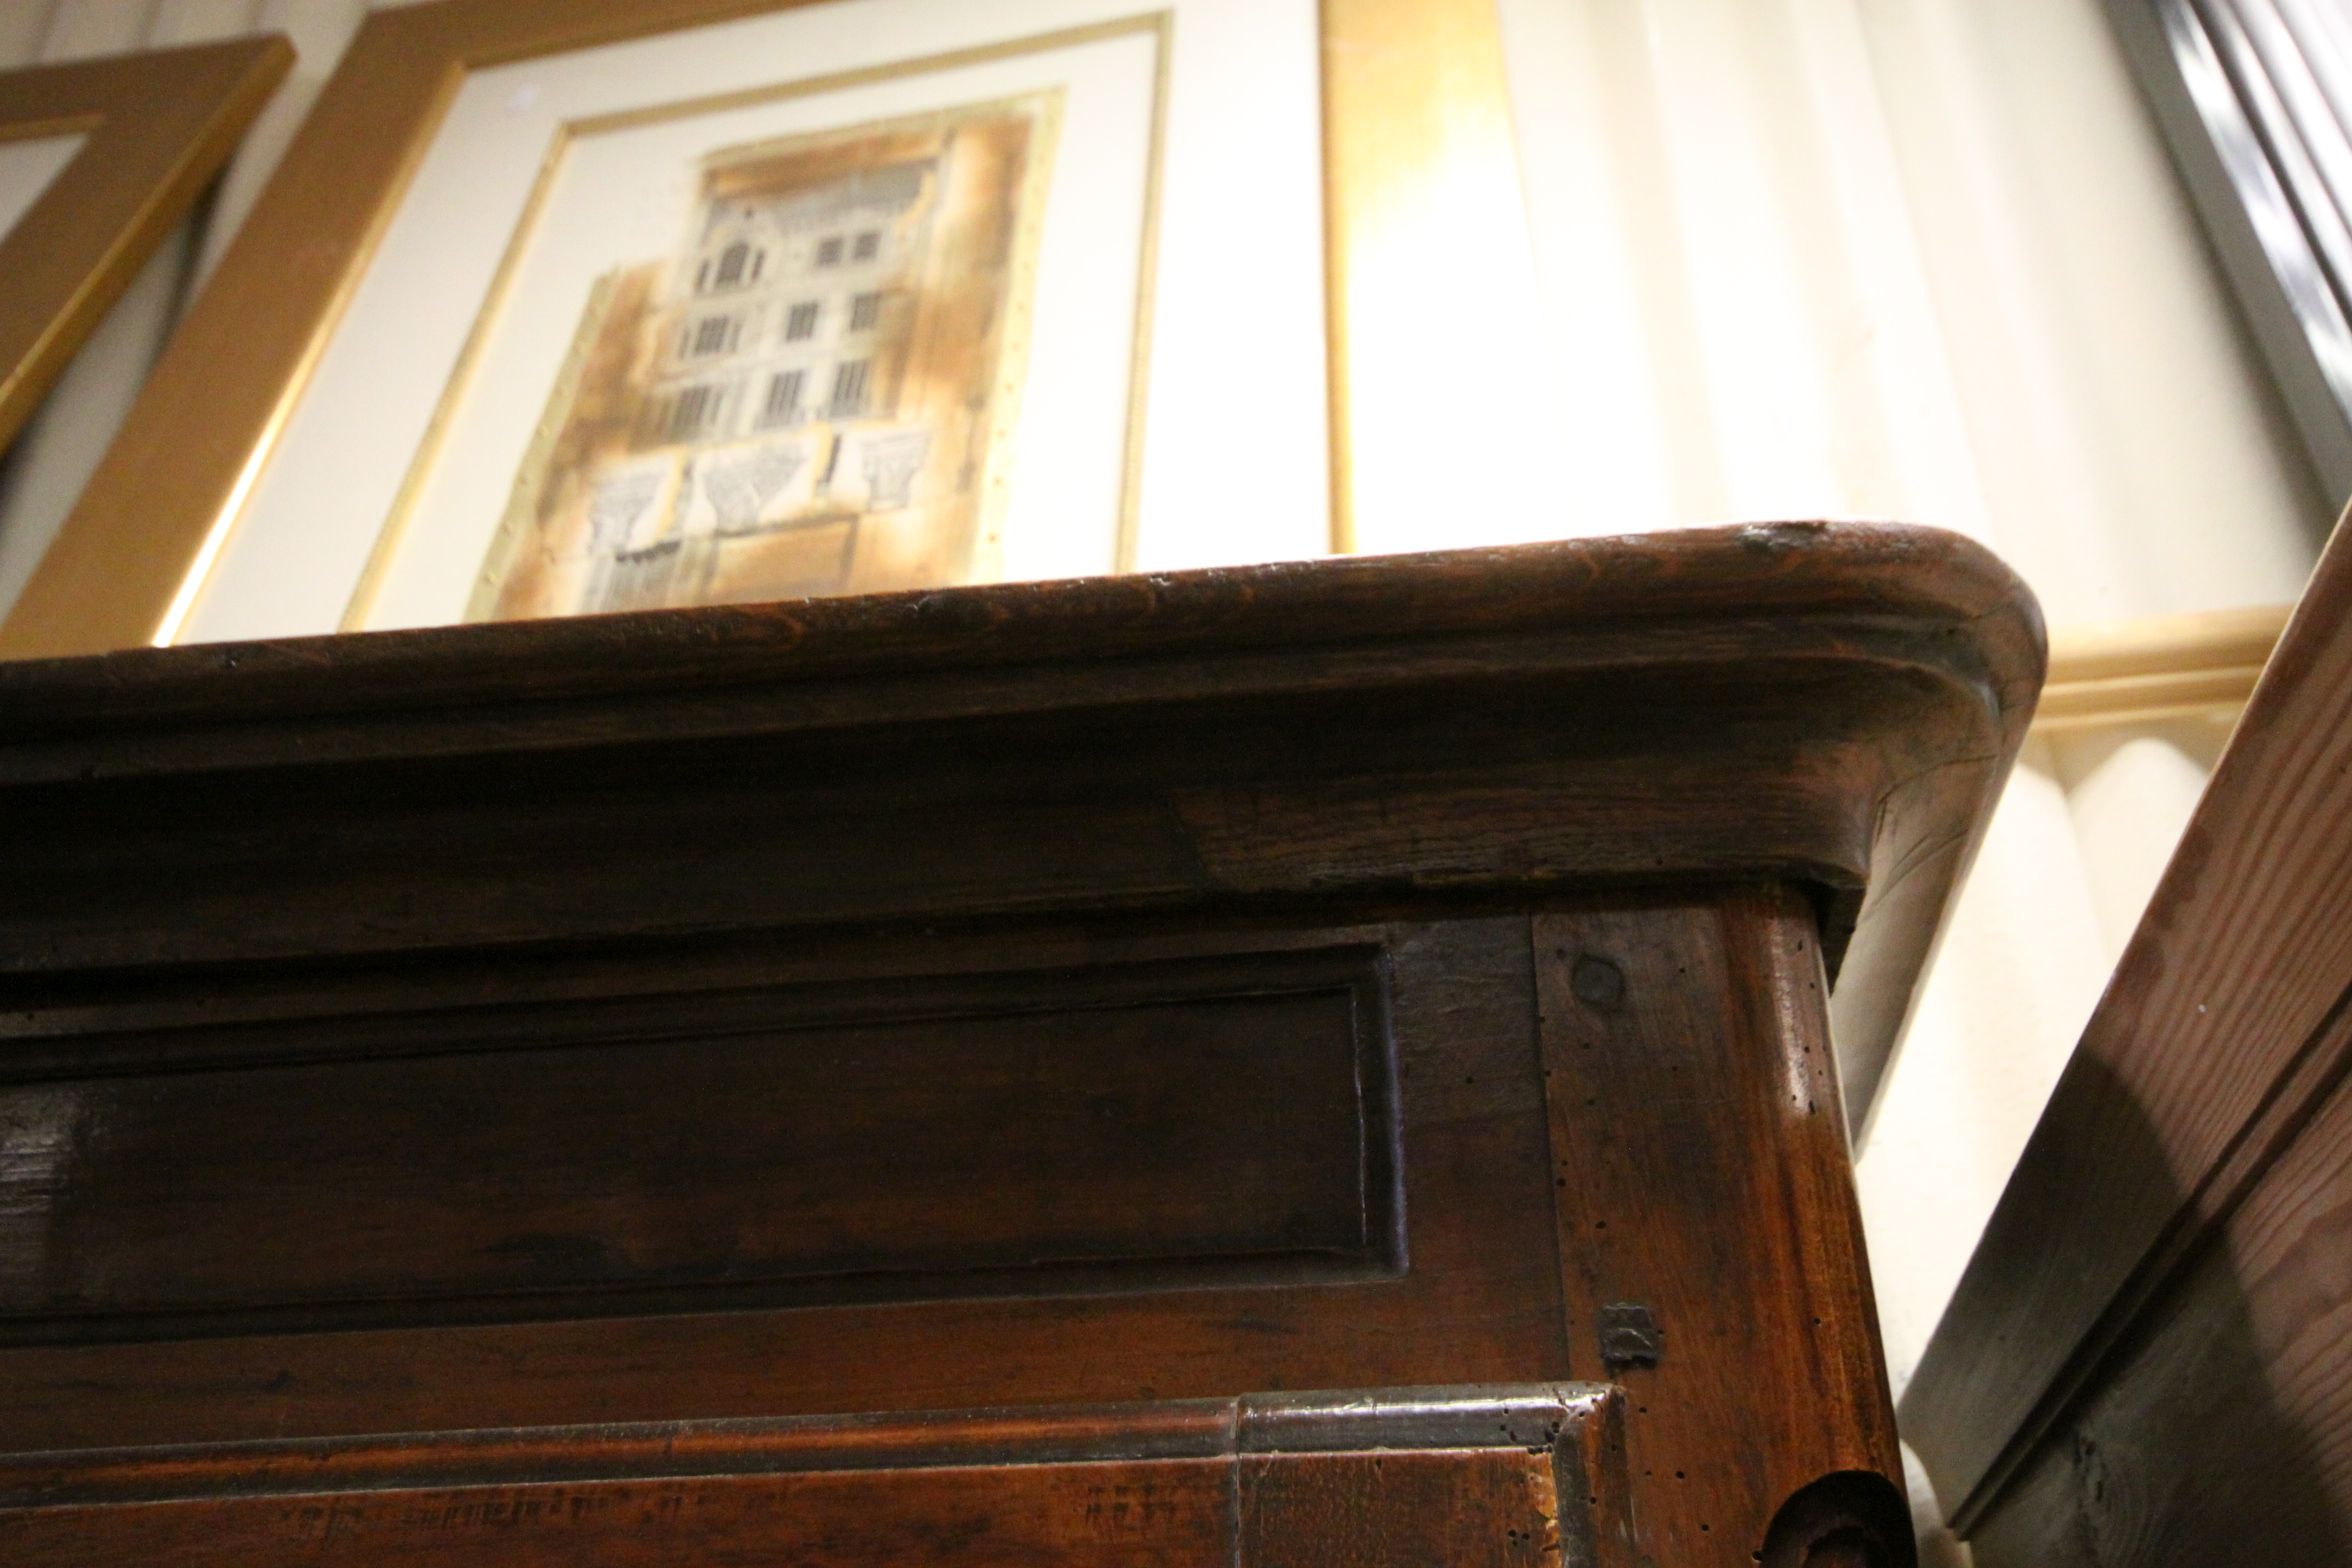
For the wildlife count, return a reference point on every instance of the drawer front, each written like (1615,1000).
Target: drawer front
(1140,1125)
(1515,1477)
(896,1171)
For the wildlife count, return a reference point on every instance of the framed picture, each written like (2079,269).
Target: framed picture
(629,304)
(98,159)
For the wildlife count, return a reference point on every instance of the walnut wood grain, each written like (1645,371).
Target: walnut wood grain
(1509,1476)
(432,1032)
(1711,1275)
(2217,1427)
(2150,1335)
(1826,704)
(1477,1299)
(1176,1124)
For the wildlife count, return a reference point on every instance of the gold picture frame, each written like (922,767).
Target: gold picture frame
(367,590)
(155,128)
(1416,137)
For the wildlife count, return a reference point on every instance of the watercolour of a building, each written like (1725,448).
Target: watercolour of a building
(809,396)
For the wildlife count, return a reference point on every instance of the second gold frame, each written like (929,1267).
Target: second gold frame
(154,128)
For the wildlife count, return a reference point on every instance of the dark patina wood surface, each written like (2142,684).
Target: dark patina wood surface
(2149,1358)
(1352,974)
(1827,704)
(1512,1477)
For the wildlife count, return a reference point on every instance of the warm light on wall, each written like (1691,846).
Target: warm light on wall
(1447,415)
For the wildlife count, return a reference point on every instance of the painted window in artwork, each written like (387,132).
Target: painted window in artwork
(784,390)
(692,412)
(849,387)
(702,381)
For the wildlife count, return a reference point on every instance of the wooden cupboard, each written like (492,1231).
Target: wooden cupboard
(1449,972)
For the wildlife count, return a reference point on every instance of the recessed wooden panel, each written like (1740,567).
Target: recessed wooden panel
(1480,1302)
(1115,1128)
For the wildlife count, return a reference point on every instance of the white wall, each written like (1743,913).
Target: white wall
(1919,259)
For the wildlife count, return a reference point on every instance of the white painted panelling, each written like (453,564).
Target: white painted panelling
(81,28)
(23,24)
(2134,457)
(2130,792)
(1913,258)
(2016,976)
(198,21)
(1921,259)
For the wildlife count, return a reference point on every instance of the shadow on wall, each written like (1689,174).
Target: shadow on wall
(2175,1449)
